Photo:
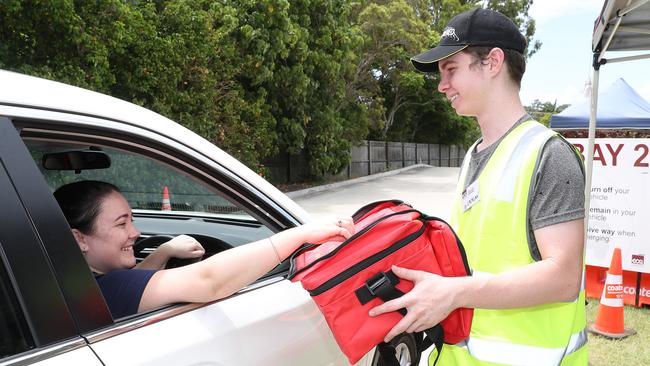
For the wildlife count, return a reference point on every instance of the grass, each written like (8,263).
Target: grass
(632,350)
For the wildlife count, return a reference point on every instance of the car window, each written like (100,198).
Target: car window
(141,179)
(147,183)
(14,333)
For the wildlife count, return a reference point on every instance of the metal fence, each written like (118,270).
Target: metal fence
(370,157)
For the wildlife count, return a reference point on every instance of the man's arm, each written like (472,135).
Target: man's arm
(556,278)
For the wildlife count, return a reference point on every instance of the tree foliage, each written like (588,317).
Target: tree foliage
(257,78)
(542,111)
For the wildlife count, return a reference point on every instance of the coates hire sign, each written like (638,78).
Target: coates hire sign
(619,209)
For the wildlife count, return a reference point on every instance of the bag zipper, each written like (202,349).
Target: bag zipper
(360,266)
(346,242)
(369,207)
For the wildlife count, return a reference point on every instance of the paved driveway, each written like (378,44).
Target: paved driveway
(428,189)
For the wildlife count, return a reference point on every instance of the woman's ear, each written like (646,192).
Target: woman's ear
(81,240)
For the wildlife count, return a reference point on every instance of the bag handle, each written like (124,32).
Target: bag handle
(305,247)
(371,206)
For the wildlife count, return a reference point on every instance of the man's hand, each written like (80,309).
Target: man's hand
(429,302)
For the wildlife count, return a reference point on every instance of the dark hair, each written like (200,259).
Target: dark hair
(515,61)
(81,201)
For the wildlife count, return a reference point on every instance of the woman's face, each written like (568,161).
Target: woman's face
(110,245)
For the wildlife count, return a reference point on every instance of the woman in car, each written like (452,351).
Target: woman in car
(102,224)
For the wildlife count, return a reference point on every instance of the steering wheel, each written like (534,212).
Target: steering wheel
(149,244)
(211,245)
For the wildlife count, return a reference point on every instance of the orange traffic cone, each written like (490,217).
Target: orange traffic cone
(610,319)
(166,205)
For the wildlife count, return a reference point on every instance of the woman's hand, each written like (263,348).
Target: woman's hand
(183,246)
(317,233)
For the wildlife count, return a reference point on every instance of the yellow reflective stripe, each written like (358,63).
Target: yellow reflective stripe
(577,341)
(519,354)
(506,188)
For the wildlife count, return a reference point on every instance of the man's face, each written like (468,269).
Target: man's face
(461,80)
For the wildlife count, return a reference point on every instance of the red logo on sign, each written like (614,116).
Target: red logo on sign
(638,259)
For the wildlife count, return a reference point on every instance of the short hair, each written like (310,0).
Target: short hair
(515,61)
(81,202)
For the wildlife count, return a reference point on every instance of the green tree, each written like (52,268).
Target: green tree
(52,39)
(384,80)
(308,94)
(542,111)
(408,102)
(255,78)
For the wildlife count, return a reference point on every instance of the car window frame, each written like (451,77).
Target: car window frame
(32,276)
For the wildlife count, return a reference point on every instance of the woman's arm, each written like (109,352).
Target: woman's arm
(226,272)
(182,246)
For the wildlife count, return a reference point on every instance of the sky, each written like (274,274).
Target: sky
(562,67)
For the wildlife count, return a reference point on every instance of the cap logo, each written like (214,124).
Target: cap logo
(450,32)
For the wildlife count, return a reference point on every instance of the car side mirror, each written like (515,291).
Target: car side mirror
(76,160)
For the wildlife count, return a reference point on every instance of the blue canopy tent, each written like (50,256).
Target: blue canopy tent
(620,107)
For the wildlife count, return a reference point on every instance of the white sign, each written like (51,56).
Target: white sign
(619,213)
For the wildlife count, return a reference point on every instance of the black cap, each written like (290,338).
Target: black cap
(478,27)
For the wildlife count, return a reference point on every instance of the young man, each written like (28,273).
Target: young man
(519,213)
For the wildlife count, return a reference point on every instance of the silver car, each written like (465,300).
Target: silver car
(52,310)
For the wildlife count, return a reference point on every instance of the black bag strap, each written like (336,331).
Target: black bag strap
(434,336)
(382,285)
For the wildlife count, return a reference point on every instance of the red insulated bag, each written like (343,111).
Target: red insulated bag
(346,279)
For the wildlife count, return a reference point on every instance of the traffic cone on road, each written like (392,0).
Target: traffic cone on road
(610,320)
(166,204)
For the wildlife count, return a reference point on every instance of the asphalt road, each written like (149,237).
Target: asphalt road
(428,189)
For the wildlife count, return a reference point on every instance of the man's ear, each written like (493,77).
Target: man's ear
(496,59)
(81,240)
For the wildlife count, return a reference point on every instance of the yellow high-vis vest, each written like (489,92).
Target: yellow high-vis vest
(494,232)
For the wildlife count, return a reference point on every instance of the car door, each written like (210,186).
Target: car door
(36,324)
(271,322)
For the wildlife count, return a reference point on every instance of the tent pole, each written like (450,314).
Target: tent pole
(631,7)
(601,54)
(589,164)
(626,58)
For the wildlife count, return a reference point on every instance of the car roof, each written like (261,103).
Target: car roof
(26,91)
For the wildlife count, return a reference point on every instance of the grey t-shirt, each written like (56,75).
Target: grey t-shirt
(559,188)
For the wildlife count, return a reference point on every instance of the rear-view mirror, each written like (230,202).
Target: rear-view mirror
(76,160)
